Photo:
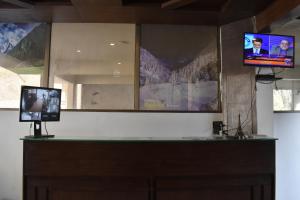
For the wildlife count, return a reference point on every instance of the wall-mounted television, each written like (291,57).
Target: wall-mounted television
(39,104)
(269,50)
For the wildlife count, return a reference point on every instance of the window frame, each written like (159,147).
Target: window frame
(293,99)
(136,86)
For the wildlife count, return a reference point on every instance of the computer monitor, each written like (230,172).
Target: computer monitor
(269,50)
(39,104)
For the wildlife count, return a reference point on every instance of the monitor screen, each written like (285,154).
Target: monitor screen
(40,104)
(269,50)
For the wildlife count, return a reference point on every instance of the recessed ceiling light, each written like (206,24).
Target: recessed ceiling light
(119,63)
(78,51)
(112,44)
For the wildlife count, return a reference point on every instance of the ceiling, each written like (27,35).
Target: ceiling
(289,24)
(209,12)
(291,28)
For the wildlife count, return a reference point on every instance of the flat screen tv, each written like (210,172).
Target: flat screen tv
(39,104)
(269,50)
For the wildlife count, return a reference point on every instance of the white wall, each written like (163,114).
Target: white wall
(285,127)
(264,105)
(280,126)
(91,124)
(287,130)
(11,156)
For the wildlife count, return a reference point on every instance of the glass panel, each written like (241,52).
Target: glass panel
(283,100)
(179,68)
(93,64)
(296,93)
(22,59)
(296,99)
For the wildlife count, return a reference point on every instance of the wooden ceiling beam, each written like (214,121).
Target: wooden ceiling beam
(174,4)
(40,14)
(226,6)
(94,14)
(112,11)
(274,12)
(92,11)
(97,2)
(21,3)
(142,15)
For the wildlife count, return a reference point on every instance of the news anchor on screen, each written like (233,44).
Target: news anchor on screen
(269,50)
(283,49)
(256,50)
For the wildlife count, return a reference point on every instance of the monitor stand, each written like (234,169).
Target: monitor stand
(38,131)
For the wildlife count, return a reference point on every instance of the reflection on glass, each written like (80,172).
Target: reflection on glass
(179,68)
(93,73)
(283,100)
(297,99)
(22,59)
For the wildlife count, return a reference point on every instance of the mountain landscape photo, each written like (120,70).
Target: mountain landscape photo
(180,81)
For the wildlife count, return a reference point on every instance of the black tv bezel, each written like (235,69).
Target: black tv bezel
(23,87)
(271,66)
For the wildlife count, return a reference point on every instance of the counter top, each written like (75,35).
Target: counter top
(150,139)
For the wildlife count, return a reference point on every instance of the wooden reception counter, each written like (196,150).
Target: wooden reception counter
(149,169)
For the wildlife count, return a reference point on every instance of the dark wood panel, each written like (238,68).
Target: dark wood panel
(243,193)
(92,195)
(41,14)
(178,188)
(102,14)
(215,13)
(276,10)
(233,170)
(93,12)
(6,5)
(215,187)
(165,183)
(153,159)
(87,188)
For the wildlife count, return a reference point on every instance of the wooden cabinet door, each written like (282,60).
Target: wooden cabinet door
(88,188)
(215,188)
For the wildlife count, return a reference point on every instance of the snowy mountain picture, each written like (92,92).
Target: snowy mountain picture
(180,81)
(11,34)
(22,47)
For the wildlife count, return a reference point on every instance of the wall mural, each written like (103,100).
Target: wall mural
(12,34)
(22,59)
(179,68)
(23,45)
